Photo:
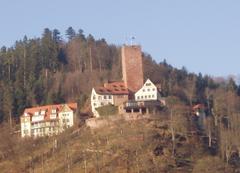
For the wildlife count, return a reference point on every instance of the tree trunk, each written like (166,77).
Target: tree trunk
(9,71)
(10,119)
(85,163)
(90,56)
(173,135)
(215,120)
(24,67)
(209,139)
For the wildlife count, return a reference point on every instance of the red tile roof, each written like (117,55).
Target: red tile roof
(112,88)
(48,109)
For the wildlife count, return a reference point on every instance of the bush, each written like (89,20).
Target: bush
(107,110)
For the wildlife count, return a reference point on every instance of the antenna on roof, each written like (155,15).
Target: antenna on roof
(132,40)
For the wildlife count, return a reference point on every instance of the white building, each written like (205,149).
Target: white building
(148,92)
(112,93)
(47,120)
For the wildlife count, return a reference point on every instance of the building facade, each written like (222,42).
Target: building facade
(148,92)
(130,95)
(47,120)
(112,93)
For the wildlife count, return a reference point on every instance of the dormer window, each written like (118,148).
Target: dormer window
(43,112)
(36,113)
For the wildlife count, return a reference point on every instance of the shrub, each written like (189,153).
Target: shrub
(107,110)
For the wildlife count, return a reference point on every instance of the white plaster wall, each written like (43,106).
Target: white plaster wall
(147,92)
(99,101)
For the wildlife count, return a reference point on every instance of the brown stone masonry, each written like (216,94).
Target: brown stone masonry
(132,67)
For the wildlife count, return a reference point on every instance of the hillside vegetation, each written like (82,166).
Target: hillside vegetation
(137,146)
(50,69)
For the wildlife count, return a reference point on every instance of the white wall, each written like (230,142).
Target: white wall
(25,126)
(66,119)
(147,92)
(98,100)
(36,118)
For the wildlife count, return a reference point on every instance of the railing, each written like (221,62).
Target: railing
(139,104)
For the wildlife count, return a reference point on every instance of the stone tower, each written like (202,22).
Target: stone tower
(132,67)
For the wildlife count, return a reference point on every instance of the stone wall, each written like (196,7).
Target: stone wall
(132,67)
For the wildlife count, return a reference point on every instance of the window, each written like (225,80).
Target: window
(148,84)
(145,96)
(94,97)
(54,111)
(138,97)
(152,96)
(141,97)
(105,97)
(110,97)
(153,89)
(99,97)
(143,90)
(148,89)
(149,96)
(25,132)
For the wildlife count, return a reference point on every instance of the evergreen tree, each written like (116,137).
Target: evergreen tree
(70,33)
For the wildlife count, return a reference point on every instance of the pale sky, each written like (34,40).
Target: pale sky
(202,35)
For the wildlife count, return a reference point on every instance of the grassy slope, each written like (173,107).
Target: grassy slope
(140,146)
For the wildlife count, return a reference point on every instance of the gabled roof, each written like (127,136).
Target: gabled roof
(48,109)
(145,85)
(112,88)
(149,81)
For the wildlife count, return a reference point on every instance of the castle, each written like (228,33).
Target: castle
(131,94)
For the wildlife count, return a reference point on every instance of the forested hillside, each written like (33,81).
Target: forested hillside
(51,69)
